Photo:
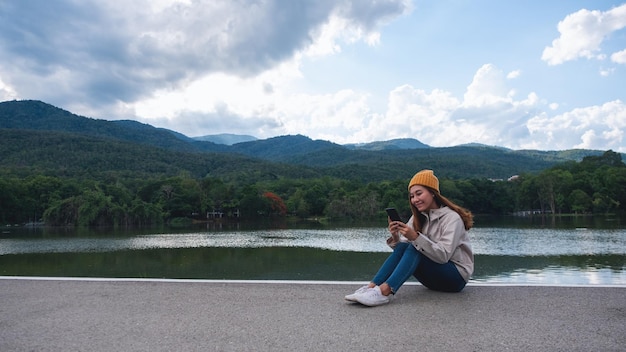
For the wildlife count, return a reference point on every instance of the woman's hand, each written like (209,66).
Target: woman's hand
(394,232)
(398,227)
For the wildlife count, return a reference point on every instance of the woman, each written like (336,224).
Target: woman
(433,246)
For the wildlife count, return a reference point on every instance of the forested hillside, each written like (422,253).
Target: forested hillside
(65,169)
(371,162)
(36,115)
(26,152)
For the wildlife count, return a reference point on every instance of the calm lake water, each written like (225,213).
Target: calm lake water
(573,252)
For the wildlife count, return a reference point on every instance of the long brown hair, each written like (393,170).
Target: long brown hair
(466,215)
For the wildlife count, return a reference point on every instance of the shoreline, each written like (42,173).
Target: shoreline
(292,282)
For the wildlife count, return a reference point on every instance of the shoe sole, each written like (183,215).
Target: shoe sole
(372,304)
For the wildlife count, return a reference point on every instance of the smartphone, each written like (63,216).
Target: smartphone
(393,214)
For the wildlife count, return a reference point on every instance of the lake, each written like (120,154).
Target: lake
(574,251)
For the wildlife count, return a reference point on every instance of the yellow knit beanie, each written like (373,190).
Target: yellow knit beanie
(425,178)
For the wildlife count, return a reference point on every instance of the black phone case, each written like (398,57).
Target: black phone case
(393,214)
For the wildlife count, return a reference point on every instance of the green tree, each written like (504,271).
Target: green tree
(615,183)
(297,204)
(553,186)
(40,191)
(579,201)
(12,205)
(251,203)
(96,209)
(316,197)
(527,193)
(63,212)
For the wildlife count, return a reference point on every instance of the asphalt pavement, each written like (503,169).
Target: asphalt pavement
(48,314)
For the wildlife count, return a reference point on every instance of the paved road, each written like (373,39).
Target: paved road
(102,315)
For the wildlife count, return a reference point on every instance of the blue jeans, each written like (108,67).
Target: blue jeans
(406,260)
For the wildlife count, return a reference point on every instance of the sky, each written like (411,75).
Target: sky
(536,74)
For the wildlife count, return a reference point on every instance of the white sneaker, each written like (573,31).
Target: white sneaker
(352,297)
(372,298)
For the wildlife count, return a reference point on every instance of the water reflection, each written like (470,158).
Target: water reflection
(486,241)
(542,242)
(562,269)
(521,254)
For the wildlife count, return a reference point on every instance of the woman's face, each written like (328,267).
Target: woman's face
(422,198)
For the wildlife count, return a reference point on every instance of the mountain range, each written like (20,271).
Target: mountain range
(226,138)
(31,129)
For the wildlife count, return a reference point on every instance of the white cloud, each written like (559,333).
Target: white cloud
(488,87)
(326,43)
(487,114)
(605,72)
(222,103)
(7,92)
(222,98)
(330,116)
(342,27)
(490,115)
(619,57)
(514,74)
(595,127)
(582,33)
(417,110)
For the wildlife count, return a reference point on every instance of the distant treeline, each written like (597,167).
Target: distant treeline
(597,184)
